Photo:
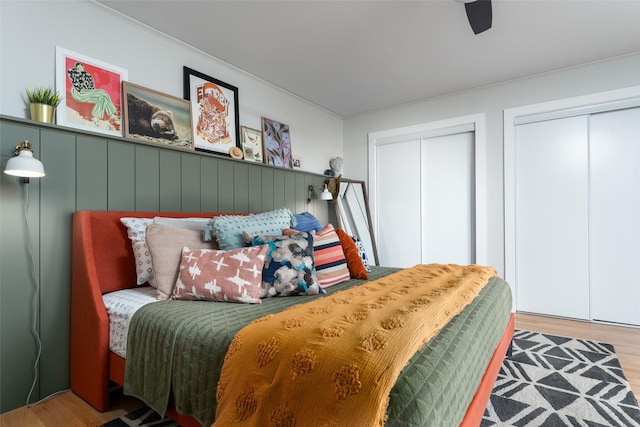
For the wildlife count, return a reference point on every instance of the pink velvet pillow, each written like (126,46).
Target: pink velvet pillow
(213,275)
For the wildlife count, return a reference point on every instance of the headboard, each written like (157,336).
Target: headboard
(102,251)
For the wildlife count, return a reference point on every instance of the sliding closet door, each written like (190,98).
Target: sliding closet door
(398,203)
(552,257)
(615,216)
(425,200)
(448,221)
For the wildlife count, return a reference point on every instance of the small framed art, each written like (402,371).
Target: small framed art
(216,115)
(251,144)
(153,116)
(91,97)
(277,143)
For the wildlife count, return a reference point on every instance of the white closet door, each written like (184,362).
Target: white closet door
(398,203)
(552,259)
(425,200)
(615,216)
(448,199)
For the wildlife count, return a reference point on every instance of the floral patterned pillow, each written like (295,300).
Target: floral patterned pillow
(289,268)
(213,275)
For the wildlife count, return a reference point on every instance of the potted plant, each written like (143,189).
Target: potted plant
(42,103)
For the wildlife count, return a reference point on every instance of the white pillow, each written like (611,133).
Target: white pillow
(136,232)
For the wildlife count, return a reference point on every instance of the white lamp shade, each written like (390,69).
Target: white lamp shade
(24,165)
(326,194)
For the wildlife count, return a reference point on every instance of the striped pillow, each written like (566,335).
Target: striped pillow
(331,264)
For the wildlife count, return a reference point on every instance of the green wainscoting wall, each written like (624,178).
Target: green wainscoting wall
(90,171)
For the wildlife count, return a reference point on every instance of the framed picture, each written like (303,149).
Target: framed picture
(297,163)
(277,143)
(216,115)
(252,144)
(90,89)
(153,116)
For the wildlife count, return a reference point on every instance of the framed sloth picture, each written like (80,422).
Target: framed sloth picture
(153,116)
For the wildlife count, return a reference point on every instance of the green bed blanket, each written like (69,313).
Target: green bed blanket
(176,349)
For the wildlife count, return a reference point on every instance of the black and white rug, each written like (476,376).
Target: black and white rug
(143,417)
(549,381)
(558,381)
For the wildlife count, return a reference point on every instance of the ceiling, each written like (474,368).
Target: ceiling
(354,56)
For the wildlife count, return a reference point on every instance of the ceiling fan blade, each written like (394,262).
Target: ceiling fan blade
(480,15)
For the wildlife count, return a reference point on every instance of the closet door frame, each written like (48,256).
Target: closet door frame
(474,122)
(598,102)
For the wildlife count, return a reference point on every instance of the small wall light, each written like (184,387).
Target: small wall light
(325,195)
(24,164)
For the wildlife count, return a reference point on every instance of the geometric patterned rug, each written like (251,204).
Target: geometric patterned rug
(559,381)
(142,417)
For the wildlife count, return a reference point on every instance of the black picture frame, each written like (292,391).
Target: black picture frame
(215,114)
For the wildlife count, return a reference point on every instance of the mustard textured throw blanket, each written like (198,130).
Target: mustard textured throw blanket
(334,360)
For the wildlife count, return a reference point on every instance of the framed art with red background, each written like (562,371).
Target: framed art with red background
(91,93)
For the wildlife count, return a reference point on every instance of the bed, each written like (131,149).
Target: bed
(462,360)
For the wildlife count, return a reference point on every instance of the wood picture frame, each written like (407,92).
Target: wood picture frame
(91,93)
(276,139)
(153,116)
(215,112)
(252,144)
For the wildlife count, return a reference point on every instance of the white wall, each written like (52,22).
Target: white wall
(30,31)
(592,78)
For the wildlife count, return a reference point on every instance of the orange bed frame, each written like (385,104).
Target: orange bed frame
(102,262)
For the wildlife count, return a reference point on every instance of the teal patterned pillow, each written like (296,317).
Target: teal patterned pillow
(228,228)
(289,268)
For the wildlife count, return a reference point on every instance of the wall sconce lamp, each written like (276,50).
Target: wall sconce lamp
(24,165)
(325,195)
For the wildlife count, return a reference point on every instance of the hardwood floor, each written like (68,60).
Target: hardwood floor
(67,409)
